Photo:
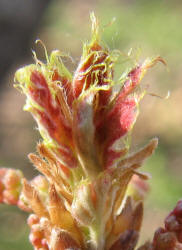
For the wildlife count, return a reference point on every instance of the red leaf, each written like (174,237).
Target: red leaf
(115,125)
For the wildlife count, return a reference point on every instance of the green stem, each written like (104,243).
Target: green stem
(97,236)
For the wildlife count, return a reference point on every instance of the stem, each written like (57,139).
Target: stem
(97,236)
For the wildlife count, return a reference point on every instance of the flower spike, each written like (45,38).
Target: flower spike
(90,194)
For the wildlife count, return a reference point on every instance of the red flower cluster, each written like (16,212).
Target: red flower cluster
(83,200)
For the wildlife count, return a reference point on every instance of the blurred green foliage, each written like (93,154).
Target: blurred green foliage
(13,230)
(165,188)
